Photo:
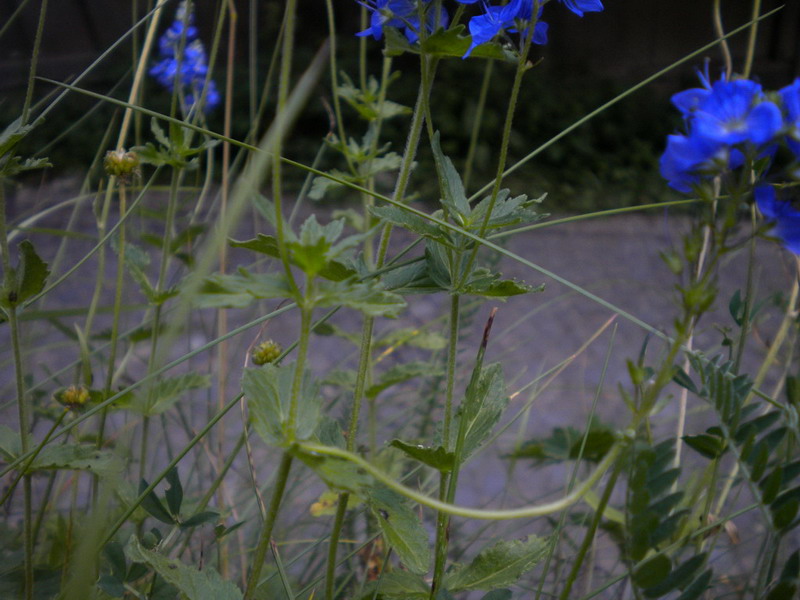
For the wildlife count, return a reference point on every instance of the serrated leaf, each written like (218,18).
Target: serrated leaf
(10,445)
(399,585)
(338,473)
(437,457)
(80,457)
(402,528)
(444,44)
(267,244)
(400,374)
(489,285)
(190,582)
(419,338)
(32,272)
(454,197)
(565,443)
(268,390)
(412,222)
(499,565)
(241,289)
(482,409)
(369,297)
(505,212)
(162,395)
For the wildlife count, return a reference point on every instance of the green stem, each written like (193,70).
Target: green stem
(269,523)
(589,536)
(720,31)
(352,434)
(751,40)
(456,510)
(287,49)
(23,410)
(153,357)
(117,309)
(476,123)
(522,66)
(37,43)
(412,143)
(748,293)
(297,383)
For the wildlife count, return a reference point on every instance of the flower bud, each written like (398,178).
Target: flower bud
(73,398)
(121,164)
(266,352)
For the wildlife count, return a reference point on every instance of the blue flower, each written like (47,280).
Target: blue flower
(183,61)
(790,98)
(401,14)
(496,19)
(581,6)
(783,214)
(727,123)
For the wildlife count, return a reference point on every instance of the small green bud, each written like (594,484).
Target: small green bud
(73,398)
(266,352)
(121,164)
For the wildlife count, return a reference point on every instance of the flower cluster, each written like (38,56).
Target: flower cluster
(728,123)
(516,16)
(495,20)
(183,62)
(734,123)
(402,14)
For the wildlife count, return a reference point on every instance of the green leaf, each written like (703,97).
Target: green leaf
(498,566)
(412,222)
(338,473)
(241,289)
(445,44)
(161,396)
(32,273)
(153,505)
(400,374)
(369,297)
(680,577)
(505,212)
(79,457)
(566,443)
(419,338)
(267,244)
(710,446)
(438,457)
(489,285)
(454,197)
(482,408)
(682,379)
(697,587)
(10,446)
(268,390)
(402,528)
(174,493)
(652,571)
(399,585)
(191,583)
(200,518)
(498,595)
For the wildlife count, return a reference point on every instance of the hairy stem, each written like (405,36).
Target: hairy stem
(269,523)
